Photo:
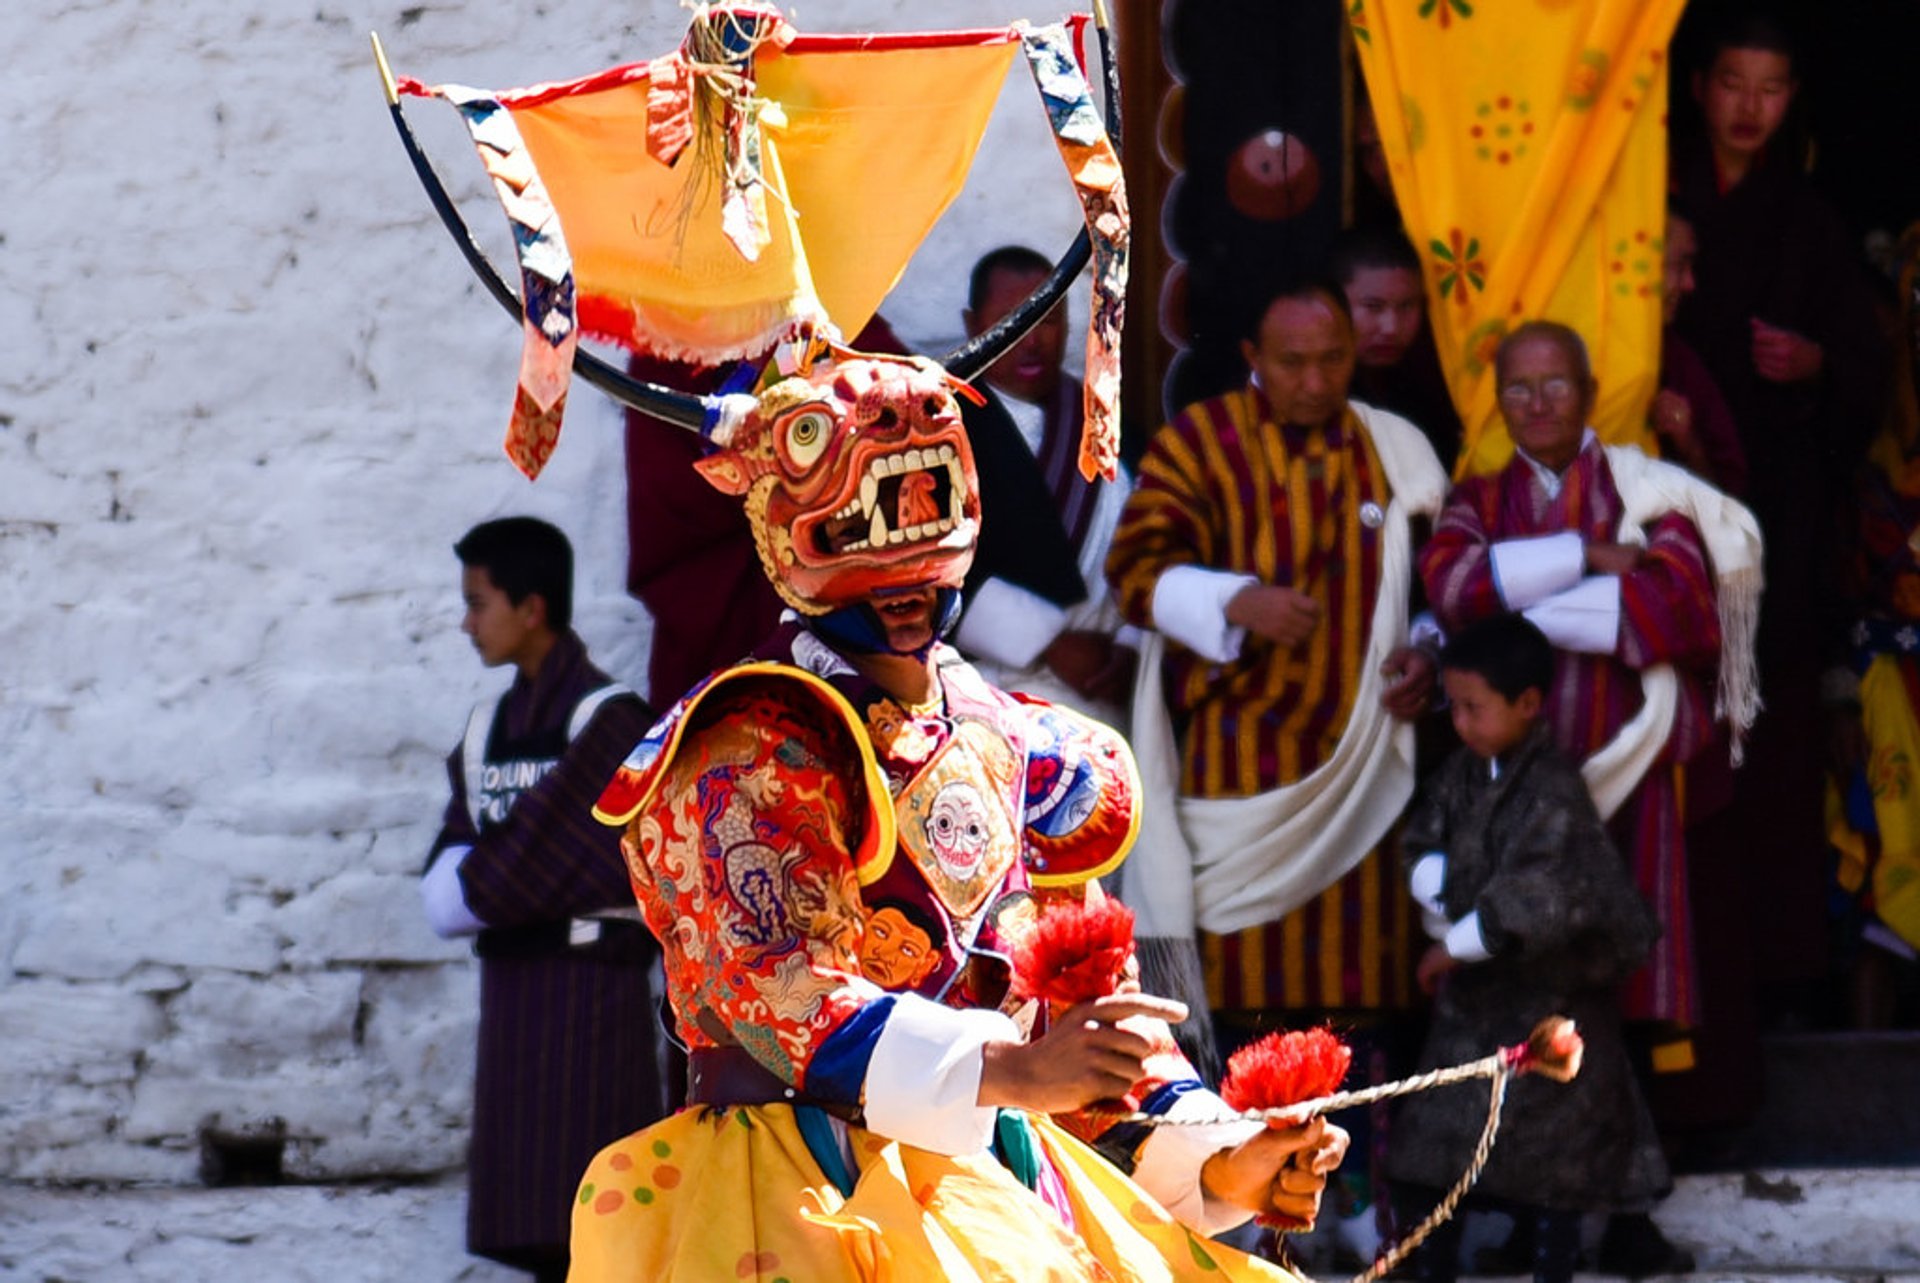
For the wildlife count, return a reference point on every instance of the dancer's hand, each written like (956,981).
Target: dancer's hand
(1089,1054)
(1280,1172)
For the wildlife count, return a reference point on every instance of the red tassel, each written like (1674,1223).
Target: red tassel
(1285,1069)
(1077,951)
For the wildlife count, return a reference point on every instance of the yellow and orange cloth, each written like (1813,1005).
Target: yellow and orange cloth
(1526,140)
(735,1193)
(759,184)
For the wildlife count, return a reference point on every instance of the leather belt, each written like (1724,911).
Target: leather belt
(726,1076)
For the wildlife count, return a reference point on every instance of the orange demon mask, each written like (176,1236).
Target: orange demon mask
(856,478)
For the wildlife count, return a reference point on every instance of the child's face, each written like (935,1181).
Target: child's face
(1488,722)
(1744,96)
(501,631)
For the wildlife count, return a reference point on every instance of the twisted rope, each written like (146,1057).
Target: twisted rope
(1499,1068)
(1444,1210)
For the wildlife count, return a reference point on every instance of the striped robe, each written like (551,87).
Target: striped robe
(1666,615)
(1224,487)
(566,1060)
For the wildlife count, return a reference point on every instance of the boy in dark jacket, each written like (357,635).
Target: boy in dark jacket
(1532,912)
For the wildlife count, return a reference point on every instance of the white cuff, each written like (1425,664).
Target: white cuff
(1425,883)
(1526,570)
(445,900)
(923,1081)
(1464,941)
(1170,1163)
(1585,618)
(1190,607)
(1006,624)
(1428,879)
(1425,632)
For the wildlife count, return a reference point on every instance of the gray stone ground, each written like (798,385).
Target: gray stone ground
(287,1234)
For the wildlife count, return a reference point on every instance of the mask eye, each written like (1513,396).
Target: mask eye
(807,437)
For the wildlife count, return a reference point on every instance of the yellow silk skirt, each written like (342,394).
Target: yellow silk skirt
(735,1194)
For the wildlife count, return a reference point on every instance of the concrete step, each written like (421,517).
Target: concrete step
(1833,1100)
(1852,1220)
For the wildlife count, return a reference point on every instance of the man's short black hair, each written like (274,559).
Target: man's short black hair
(1008,258)
(1748,31)
(1506,651)
(1360,248)
(524,555)
(1299,289)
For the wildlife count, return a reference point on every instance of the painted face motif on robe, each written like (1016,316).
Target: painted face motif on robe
(957,830)
(856,478)
(901,946)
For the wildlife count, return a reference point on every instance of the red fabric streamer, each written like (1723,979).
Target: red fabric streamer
(1076,951)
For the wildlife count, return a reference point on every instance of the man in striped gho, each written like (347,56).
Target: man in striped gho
(1268,544)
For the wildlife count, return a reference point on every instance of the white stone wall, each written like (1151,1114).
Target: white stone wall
(248,398)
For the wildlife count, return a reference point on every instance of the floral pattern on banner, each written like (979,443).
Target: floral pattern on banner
(1502,131)
(1458,267)
(1635,269)
(1446,10)
(1588,78)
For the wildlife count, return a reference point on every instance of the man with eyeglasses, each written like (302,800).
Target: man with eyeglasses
(1646,580)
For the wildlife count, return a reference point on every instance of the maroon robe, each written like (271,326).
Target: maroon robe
(1667,615)
(1770,248)
(1683,372)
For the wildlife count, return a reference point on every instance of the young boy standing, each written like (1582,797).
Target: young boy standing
(566,1059)
(1533,912)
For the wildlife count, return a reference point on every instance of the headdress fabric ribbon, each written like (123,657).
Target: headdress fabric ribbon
(769,222)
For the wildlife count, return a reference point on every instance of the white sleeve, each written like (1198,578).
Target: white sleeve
(1170,1163)
(1428,879)
(1190,606)
(1006,624)
(445,900)
(1526,570)
(1585,618)
(923,1080)
(1426,633)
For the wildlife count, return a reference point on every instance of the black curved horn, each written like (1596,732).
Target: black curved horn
(983,349)
(680,408)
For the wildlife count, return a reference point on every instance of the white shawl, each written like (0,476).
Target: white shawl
(1650,489)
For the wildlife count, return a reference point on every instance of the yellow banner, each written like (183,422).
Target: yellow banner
(861,150)
(1526,140)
